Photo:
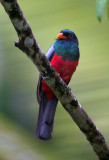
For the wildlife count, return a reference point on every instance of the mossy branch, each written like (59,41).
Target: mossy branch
(28,44)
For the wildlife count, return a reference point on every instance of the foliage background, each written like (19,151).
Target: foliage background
(18,80)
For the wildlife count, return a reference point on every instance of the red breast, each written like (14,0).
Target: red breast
(65,68)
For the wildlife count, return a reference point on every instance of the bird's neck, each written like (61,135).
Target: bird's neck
(66,49)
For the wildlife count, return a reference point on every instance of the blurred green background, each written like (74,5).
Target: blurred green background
(19,76)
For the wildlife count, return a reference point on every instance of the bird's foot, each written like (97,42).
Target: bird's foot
(69,88)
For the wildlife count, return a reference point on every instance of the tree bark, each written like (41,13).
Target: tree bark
(28,44)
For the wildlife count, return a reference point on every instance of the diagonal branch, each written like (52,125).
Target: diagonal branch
(28,44)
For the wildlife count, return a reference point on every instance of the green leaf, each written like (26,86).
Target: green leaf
(108,9)
(100,8)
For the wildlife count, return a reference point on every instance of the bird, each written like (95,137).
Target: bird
(64,57)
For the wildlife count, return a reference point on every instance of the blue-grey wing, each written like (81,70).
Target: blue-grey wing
(49,55)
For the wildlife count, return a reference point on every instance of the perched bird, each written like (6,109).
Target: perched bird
(64,57)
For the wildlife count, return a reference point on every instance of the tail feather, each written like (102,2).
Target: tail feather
(46,117)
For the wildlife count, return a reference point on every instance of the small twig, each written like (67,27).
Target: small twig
(28,44)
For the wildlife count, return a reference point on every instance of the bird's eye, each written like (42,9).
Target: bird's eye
(71,35)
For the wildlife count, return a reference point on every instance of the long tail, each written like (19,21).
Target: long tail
(46,117)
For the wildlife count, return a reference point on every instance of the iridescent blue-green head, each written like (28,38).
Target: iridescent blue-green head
(66,45)
(67,34)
